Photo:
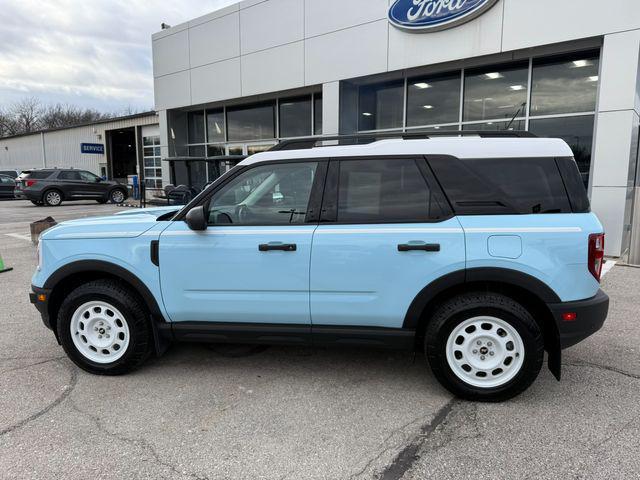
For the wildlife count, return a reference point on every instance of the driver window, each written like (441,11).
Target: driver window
(88,177)
(266,195)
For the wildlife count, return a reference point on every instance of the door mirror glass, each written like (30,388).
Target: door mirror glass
(196,219)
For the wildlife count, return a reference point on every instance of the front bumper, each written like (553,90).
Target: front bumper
(590,315)
(40,298)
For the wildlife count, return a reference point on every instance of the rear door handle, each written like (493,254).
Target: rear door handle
(423,247)
(283,247)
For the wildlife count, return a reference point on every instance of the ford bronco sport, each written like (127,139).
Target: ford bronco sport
(480,251)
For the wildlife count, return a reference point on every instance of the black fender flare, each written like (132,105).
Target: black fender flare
(161,329)
(504,276)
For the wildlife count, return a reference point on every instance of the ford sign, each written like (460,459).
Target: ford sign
(434,15)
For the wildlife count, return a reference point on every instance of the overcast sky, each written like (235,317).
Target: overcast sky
(90,53)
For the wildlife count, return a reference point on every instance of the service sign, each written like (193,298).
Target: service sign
(435,15)
(96,148)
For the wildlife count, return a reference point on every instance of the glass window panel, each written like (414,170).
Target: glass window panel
(251,123)
(156,140)
(215,150)
(382,191)
(197,151)
(433,100)
(196,126)
(576,131)
(265,195)
(317,114)
(252,149)
(496,93)
(156,151)
(148,151)
(380,106)
(149,162)
(496,126)
(215,126)
(147,141)
(565,85)
(295,117)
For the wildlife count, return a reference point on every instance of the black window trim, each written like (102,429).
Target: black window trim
(329,209)
(315,197)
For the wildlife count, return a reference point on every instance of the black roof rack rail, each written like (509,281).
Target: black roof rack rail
(365,138)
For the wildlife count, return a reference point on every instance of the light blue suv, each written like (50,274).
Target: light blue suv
(478,249)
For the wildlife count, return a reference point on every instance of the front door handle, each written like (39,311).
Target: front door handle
(283,247)
(423,247)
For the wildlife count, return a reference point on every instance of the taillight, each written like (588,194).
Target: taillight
(596,254)
(30,183)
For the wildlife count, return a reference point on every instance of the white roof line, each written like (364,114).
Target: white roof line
(461,147)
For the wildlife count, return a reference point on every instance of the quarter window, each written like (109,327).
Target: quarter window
(383,191)
(265,195)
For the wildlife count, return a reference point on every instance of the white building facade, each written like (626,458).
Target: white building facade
(238,80)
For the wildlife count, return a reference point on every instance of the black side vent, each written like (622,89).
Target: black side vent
(155,252)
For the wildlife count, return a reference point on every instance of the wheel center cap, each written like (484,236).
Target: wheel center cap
(484,350)
(101,331)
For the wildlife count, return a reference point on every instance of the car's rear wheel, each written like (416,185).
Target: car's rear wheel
(52,198)
(117,196)
(103,328)
(484,346)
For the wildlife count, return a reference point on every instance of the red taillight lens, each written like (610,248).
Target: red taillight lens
(29,183)
(596,254)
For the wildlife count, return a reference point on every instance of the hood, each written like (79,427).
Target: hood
(121,226)
(153,211)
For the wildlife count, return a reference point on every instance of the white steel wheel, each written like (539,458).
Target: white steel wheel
(53,198)
(485,352)
(117,196)
(99,332)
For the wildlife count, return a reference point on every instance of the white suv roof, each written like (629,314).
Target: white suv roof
(461,147)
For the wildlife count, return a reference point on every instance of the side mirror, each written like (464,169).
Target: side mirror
(196,219)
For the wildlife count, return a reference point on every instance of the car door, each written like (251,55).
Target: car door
(92,185)
(70,183)
(386,233)
(7,185)
(251,265)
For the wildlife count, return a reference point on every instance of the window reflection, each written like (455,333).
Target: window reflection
(432,100)
(565,85)
(496,93)
(196,126)
(576,131)
(215,125)
(381,106)
(317,114)
(254,122)
(496,126)
(295,117)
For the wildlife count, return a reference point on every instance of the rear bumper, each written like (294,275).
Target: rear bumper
(590,316)
(26,195)
(42,305)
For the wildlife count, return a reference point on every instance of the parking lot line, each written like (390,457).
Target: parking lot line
(19,235)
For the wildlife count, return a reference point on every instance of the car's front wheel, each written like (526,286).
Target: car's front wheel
(484,346)
(103,328)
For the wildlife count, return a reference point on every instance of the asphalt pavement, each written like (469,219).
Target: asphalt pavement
(241,412)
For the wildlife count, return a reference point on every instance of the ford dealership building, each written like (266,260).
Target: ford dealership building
(238,80)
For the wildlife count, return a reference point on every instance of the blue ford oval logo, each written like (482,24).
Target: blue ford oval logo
(434,15)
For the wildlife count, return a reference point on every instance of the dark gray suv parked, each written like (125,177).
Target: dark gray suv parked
(53,186)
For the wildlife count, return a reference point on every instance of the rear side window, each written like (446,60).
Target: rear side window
(574,183)
(39,174)
(69,175)
(502,185)
(384,191)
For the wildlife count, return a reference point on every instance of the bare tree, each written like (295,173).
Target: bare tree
(30,115)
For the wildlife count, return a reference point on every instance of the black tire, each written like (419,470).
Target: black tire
(52,197)
(470,305)
(117,195)
(136,317)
